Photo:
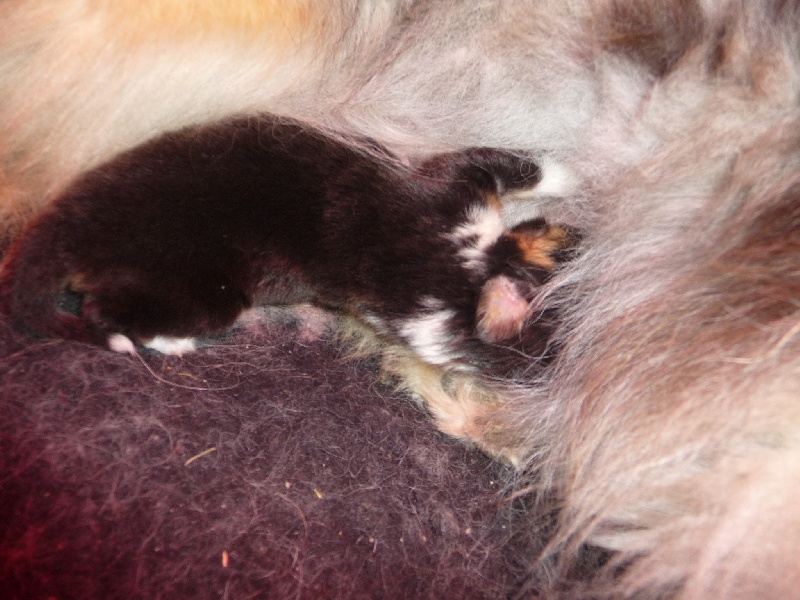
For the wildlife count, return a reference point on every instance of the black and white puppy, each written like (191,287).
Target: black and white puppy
(174,239)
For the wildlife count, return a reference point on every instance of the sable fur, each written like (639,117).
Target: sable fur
(667,430)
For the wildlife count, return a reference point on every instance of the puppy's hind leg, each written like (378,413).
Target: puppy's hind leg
(64,277)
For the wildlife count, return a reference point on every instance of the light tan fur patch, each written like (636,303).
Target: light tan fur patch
(460,405)
(281,21)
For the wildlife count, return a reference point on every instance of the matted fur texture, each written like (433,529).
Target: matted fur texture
(668,430)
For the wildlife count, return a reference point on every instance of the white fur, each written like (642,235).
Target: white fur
(483,226)
(163,344)
(122,344)
(428,333)
(172,345)
(523,205)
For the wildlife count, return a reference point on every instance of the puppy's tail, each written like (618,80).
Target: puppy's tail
(38,287)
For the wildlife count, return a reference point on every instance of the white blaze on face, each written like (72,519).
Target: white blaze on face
(429,333)
(484,225)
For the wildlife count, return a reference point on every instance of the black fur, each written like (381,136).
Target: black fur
(180,235)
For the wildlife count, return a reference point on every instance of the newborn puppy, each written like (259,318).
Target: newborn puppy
(174,239)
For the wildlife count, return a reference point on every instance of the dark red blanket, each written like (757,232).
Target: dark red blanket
(263,466)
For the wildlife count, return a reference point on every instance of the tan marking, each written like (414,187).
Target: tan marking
(493,201)
(537,249)
(78,283)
